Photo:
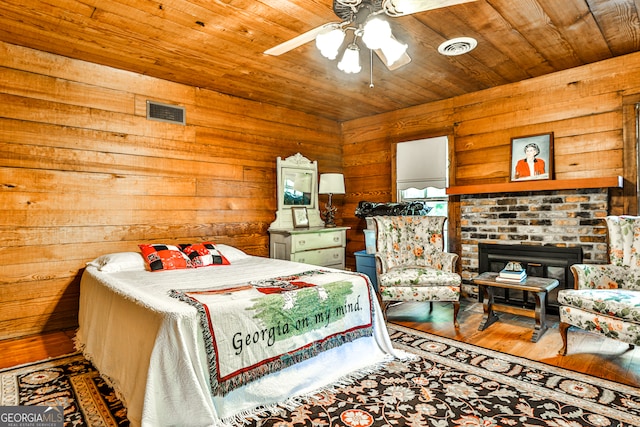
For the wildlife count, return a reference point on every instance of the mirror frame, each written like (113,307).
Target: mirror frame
(286,172)
(296,164)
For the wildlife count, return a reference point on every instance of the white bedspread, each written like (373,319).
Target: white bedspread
(150,345)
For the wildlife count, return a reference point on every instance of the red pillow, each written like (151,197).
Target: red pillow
(204,254)
(164,257)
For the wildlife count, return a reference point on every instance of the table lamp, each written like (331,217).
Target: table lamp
(331,183)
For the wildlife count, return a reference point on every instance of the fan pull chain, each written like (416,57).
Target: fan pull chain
(370,69)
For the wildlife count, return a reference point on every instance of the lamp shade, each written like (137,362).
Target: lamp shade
(350,62)
(376,33)
(331,183)
(329,41)
(393,50)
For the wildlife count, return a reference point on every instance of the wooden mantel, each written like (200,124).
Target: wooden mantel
(537,185)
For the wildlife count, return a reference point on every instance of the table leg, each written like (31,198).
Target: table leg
(541,316)
(487,304)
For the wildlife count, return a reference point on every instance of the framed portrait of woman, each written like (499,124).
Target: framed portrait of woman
(532,157)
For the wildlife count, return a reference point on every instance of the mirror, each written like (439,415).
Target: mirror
(297,186)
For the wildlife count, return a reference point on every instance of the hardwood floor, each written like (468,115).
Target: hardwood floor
(19,351)
(588,353)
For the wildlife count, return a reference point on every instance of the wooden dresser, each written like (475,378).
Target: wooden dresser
(315,245)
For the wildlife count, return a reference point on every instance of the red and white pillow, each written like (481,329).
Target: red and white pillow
(164,257)
(204,254)
(171,257)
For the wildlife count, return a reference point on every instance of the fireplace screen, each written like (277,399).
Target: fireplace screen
(539,261)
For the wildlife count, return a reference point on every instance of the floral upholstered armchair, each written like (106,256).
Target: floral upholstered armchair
(606,298)
(411,264)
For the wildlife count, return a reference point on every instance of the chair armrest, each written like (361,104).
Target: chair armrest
(446,261)
(605,276)
(381,265)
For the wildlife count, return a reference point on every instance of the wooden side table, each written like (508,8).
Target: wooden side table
(539,286)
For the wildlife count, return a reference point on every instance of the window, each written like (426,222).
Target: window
(422,174)
(421,164)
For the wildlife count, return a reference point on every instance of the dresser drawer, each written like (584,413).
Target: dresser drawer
(316,245)
(324,257)
(309,241)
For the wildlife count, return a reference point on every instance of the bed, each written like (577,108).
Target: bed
(146,333)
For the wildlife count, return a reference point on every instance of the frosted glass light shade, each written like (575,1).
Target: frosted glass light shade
(350,62)
(329,42)
(331,183)
(393,50)
(376,32)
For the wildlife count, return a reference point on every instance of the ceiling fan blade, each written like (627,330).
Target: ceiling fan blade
(298,40)
(404,60)
(407,7)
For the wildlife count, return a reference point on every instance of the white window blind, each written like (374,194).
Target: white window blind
(422,163)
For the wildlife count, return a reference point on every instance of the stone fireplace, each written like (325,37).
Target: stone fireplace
(562,218)
(553,262)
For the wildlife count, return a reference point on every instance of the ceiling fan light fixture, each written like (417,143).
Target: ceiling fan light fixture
(329,42)
(393,50)
(397,8)
(457,46)
(350,62)
(401,6)
(376,32)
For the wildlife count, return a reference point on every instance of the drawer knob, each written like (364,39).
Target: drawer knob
(336,239)
(302,242)
(336,256)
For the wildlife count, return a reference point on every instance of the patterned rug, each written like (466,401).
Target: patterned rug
(456,384)
(449,384)
(68,381)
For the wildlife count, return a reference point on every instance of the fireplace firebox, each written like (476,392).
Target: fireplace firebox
(539,261)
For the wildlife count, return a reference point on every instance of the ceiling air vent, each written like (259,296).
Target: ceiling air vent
(166,113)
(458,46)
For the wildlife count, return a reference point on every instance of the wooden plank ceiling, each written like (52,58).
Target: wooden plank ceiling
(219,45)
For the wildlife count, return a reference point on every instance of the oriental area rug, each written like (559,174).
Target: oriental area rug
(448,384)
(68,381)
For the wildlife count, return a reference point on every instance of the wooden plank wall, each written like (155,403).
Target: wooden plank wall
(589,109)
(84,173)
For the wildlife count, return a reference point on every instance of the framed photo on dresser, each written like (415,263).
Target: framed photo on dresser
(300,217)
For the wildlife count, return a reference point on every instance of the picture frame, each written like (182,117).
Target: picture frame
(300,217)
(532,157)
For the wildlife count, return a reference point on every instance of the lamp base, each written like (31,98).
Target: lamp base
(329,215)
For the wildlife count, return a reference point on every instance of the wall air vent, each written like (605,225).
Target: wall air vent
(166,113)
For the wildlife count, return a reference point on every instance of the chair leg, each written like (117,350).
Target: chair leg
(384,305)
(456,309)
(564,327)
(430,307)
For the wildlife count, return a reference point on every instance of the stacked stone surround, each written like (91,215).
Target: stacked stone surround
(556,218)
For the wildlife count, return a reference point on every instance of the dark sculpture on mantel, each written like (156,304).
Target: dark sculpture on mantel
(367,209)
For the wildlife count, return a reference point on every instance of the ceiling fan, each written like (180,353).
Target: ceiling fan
(361,18)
